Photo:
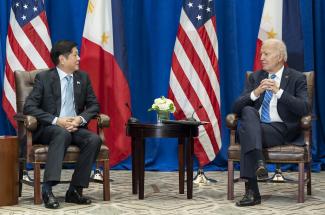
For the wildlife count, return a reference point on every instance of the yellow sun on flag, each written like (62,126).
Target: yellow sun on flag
(104,38)
(90,7)
(271,34)
(267,18)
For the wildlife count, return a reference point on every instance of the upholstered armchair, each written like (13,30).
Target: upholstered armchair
(288,153)
(32,152)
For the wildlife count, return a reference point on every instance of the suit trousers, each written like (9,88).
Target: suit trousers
(254,136)
(58,139)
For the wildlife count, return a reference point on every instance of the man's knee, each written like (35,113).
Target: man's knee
(62,134)
(248,112)
(95,141)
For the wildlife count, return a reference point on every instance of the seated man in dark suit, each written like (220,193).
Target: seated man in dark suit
(270,109)
(63,102)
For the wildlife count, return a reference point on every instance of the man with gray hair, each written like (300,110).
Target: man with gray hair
(270,108)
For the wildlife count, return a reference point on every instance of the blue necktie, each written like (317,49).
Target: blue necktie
(265,112)
(68,104)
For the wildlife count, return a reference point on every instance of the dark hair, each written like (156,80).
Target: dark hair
(63,47)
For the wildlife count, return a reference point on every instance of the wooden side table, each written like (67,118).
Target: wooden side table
(185,134)
(9,185)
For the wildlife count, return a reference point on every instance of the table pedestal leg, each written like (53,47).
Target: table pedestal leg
(134,167)
(181,165)
(189,167)
(141,147)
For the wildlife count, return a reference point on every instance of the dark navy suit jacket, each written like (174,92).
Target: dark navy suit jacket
(44,102)
(292,105)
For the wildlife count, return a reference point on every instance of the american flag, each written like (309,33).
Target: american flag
(28,46)
(194,76)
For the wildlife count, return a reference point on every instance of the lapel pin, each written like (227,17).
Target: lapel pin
(78,82)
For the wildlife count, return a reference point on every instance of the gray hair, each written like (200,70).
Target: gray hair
(280,46)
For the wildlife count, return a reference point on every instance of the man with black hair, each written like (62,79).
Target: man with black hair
(63,102)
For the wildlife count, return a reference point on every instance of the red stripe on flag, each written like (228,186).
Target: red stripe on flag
(19,52)
(201,72)
(257,60)
(193,99)
(200,152)
(209,49)
(9,110)
(43,17)
(214,21)
(112,91)
(38,43)
(179,112)
(188,89)
(198,149)
(199,68)
(10,75)
(214,61)
(24,57)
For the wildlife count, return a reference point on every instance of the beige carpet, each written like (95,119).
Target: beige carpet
(162,197)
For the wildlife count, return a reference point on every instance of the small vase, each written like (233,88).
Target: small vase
(162,115)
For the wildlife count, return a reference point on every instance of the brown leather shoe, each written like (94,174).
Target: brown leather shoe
(250,198)
(72,196)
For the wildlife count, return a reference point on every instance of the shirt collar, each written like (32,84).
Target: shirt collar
(279,73)
(62,74)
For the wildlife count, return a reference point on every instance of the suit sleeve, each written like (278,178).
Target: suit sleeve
(298,103)
(34,100)
(91,105)
(244,99)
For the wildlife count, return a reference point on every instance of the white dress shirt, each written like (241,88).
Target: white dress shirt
(63,83)
(274,115)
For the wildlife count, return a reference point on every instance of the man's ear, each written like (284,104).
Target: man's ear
(61,59)
(280,57)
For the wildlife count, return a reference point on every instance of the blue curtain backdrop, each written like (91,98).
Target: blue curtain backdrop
(150,28)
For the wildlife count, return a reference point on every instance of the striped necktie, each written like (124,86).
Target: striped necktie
(68,102)
(265,112)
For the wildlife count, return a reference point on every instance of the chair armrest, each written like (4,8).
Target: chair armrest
(305,122)
(103,120)
(30,122)
(232,120)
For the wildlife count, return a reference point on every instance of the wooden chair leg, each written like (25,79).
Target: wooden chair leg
(21,170)
(230,193)
(309,179)
(301,182)
(106,183)
(37,184)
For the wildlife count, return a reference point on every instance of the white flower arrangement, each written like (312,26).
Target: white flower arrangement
(163,104)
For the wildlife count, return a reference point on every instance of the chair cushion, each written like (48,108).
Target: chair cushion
(39,153)
(279,154)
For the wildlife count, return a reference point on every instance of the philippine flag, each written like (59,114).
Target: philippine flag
(282,20)
(103,56)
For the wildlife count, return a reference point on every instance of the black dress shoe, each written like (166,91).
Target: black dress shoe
(72,196)
(250,198)
(261,171)
(49,200)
